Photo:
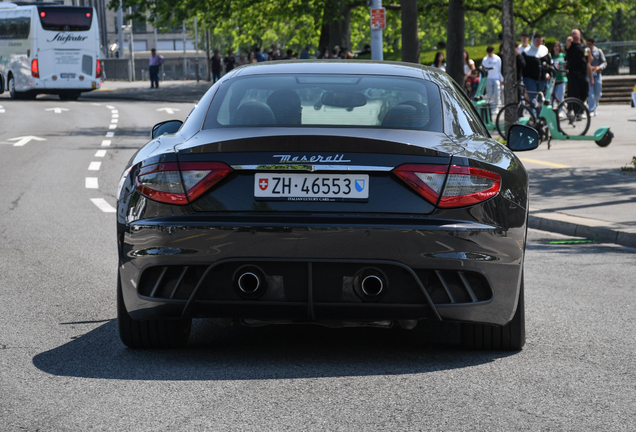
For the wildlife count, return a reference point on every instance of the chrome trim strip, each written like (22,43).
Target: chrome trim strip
(311,168)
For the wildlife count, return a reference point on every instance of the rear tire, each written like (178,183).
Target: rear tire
(573,117)
(516,111)
(511,337)
(150,333)
(606,140)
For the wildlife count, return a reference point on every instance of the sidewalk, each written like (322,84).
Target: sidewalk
(168,91)
(576,188)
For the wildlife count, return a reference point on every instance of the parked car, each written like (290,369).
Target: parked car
(337,193)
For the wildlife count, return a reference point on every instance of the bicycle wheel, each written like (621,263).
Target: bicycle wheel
(573,117)
(514,113)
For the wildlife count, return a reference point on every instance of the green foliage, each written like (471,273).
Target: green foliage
(293,24)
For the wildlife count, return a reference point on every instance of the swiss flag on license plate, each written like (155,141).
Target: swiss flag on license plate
(263,183)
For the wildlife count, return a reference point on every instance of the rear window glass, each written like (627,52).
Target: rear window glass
(306,100)
(66,18)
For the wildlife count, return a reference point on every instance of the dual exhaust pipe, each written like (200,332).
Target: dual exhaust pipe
(369,284)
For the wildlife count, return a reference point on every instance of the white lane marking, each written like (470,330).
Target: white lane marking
(56,110)
(110,135)
(1,109)
(24,140)
(115,115)
(96,104)
(110,107)
(113,126)
(114,120)
(103,205)
(100,153)
(114,111)
(94,166)
(91,183)
(106,143)
(169,110)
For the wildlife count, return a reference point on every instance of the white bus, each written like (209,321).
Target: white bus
(49,49)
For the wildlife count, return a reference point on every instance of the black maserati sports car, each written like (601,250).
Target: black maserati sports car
(329,192)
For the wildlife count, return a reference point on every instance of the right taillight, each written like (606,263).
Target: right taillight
(450,187)
(98,69)
(35,68)
(165,182)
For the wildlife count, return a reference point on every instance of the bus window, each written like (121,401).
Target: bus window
(65,18)
(15,28)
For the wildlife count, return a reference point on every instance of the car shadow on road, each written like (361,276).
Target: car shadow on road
(272,352)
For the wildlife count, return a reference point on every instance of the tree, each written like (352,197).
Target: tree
(455,41)
(509,58)
(410,41)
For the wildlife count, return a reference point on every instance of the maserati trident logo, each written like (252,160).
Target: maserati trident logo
(337,158)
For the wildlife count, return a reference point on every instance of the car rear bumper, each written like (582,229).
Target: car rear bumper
(457,271)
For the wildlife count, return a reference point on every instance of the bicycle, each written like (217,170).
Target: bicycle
(570,121)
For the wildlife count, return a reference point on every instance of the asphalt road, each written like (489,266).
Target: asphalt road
(62,366)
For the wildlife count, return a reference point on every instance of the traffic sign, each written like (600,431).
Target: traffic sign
(378,19)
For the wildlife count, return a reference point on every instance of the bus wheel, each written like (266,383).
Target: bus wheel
(14,94)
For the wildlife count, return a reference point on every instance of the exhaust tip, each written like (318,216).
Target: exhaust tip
(250,282)
(372,286)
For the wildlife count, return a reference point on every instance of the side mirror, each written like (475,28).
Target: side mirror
(165,127)
(522,138)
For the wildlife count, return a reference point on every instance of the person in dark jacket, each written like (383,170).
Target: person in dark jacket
(534,72)
(579,59)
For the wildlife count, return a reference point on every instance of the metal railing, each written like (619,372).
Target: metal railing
(172,69)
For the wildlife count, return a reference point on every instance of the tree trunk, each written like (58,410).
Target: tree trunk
(340,29)
(509,60)
(455,41)
(410,40)
(323,42)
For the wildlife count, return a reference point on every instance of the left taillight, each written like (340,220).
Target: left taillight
(179,184)
(98,69)
(450,187)
(35,68)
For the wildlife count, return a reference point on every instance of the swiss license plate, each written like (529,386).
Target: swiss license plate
(311,187)
(67,75)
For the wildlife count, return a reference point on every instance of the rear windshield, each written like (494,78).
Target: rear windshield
(306,100)
(66,18)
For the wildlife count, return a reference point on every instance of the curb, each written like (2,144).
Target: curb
(601,234)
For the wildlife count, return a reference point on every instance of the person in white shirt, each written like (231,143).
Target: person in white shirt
(492,63)
(525,43)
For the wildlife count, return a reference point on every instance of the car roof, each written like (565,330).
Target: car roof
(354,67)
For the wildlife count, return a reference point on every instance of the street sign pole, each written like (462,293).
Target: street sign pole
(378,23)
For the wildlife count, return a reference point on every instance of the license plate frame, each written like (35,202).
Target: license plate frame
(311,187)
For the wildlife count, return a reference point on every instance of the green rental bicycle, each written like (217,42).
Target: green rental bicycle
(570,121)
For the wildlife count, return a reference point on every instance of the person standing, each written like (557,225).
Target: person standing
(216,66)
(598,64)
(534,74)
(525,42)
(229,61)
(559,62)
(155,62)
(439,61)
(492,63)
(304,55)
(579,61)
(469,67)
